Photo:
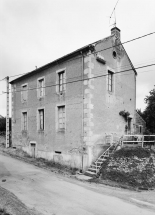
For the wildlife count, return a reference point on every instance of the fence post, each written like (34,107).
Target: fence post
(143,141)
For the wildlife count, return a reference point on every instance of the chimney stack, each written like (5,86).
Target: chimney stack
(116,31)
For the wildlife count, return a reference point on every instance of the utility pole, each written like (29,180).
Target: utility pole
(7,112)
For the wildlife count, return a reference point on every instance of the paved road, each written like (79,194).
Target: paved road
(51,194)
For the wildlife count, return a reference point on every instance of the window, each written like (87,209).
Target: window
(41,87)
(61,117)
(61,81)
(110,81)
(129,125)
(41,119)
(140,129)
(24,92)
(24,121)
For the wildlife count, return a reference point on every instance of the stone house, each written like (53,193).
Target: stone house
(140,124)
(64,110)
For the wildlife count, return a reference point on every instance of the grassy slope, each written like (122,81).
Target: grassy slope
(131,166)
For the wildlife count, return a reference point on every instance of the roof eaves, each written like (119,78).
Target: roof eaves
(140,117)
(129,60)
(72,54)
(85,48)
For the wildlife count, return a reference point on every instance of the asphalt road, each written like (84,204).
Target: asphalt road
(51,194)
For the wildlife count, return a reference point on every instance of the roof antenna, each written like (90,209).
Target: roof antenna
(113,12)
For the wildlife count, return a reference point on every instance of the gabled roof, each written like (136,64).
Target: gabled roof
(129,60)
(68,56)
(65,57)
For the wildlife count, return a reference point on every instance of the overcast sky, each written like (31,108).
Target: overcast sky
(36,32)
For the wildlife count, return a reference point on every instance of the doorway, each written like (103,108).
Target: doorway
(33,149)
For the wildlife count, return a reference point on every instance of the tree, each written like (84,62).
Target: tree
(149,112)
(3,124)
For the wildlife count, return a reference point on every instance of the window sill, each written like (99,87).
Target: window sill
(41,97)
(24,132)
(61,93)
(61,130)
(110,92)
(41,131)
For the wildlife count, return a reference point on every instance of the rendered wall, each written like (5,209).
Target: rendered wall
(49,141)
(92,112)
(103,107)
(139,122)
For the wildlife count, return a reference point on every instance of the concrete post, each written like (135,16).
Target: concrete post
(7,112)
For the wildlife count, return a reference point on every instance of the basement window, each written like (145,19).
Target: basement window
(57,152)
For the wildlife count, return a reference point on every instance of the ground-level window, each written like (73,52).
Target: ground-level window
(61,117)
(41,123)
(24,121)
(110,81)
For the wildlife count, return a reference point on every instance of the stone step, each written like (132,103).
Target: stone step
(98,162)
(102,156)
(102,159)
(94,166)
(91,173)
(92,169)
(106,156)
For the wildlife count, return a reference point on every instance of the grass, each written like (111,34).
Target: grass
(131,166)
(59,166)
(131,152)
(16,152)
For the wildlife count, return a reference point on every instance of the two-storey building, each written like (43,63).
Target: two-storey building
(70,105)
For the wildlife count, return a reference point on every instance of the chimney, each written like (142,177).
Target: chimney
(116,31)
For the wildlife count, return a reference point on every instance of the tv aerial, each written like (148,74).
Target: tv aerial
(113,13)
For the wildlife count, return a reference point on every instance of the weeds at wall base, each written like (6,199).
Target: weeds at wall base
(40,162)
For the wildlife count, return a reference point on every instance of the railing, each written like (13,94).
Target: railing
(141,140)
(105,153)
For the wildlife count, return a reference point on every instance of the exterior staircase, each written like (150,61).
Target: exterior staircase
(94,169)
